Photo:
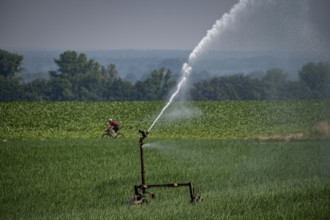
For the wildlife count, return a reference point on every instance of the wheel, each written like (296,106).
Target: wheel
(105,135)
(120,135)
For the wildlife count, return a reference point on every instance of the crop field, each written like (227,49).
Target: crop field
(248,160)
(216,120)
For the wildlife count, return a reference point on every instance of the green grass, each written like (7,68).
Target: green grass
(54,165)
(94,179)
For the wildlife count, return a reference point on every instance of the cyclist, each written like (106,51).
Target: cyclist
(113,127)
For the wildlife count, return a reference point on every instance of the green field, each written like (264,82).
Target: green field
(249,160)
(216,120)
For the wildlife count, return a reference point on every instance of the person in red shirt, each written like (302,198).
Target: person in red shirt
(113,127)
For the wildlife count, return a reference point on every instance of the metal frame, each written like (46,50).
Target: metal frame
(141,190)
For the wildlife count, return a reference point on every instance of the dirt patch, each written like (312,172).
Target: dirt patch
(321,129)
(283,137)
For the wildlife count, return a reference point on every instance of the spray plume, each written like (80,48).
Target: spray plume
(220,26)
(169,102)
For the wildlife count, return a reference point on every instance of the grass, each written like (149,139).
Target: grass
(54,165)
(94,178)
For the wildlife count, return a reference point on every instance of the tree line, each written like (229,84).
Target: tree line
(79,78)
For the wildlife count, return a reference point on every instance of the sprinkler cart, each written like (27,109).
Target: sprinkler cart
(141,190)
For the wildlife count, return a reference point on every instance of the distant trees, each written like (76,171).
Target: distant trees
(156,86)
(79,78)
(234,87)
(10,64)
(313,83)
(274,83)
(10,85)
(316,78)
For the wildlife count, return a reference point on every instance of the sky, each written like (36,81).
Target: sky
(107,24)
(160,24)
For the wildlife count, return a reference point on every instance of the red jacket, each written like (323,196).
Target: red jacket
(114,123)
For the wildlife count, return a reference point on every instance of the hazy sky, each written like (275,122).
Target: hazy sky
(107,24)
(158,24)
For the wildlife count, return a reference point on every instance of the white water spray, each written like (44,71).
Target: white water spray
(228,19)
(169,102)
(248,30)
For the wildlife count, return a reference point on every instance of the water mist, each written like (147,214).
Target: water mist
(227,20)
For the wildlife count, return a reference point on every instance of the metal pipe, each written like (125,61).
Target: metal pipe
(191,189)
(169,185)
(143,179)
(139,197)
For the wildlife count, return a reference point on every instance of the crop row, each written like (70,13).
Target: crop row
(210,119)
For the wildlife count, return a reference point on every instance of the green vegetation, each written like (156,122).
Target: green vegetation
(54,165)
(94,179)
(81,79)
(211,119)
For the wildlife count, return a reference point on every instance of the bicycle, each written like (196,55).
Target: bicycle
(108,134)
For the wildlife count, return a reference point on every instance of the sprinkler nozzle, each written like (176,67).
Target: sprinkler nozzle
(143,133)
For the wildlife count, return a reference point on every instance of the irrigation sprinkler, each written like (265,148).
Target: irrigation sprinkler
(141,190)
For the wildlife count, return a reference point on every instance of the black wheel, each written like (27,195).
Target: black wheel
(106,135)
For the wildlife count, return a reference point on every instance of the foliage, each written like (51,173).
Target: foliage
(77,78)
(314,83)
(81,79)
(156,86)
(55,165)
(220,119)
(10,90)
(236,87)
(316,76)
(10,64)
(275,83)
